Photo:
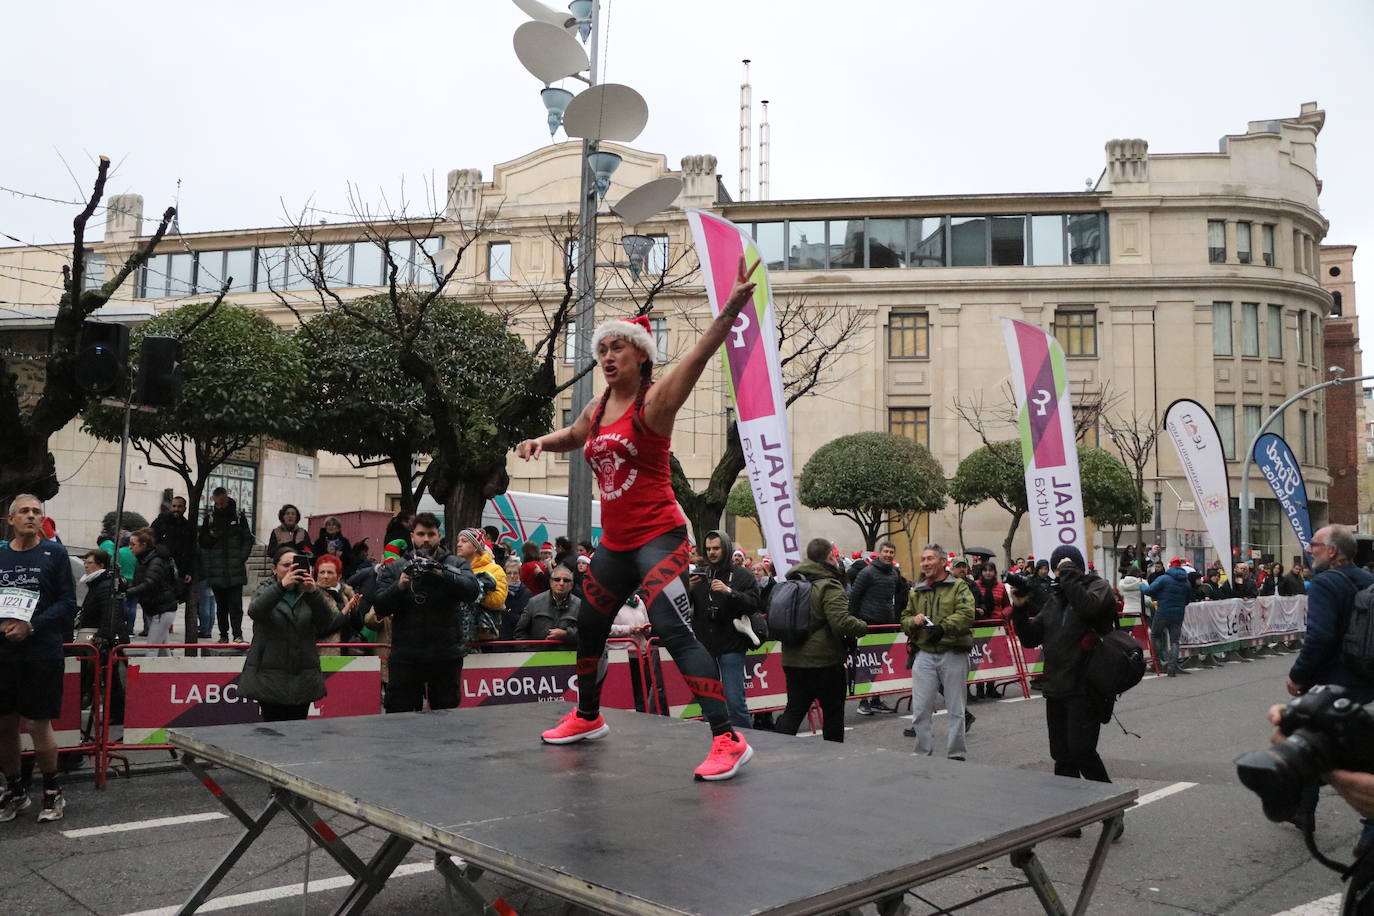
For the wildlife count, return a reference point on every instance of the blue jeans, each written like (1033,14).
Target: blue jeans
(1166,635)
(930,672)
(732,679)
(131,613)
(206,610)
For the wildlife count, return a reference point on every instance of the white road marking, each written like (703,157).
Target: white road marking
(1165,792)
(1326,906)
(144,825)
(848,728)
(278,893)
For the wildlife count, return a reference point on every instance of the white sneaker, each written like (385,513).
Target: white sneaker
(53,804)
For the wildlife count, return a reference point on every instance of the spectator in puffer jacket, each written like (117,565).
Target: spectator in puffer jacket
(1171,593)
(870,600)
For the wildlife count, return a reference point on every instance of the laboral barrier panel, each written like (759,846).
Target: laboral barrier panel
(992,657)
(163,693)
(549,675)
(1236,622)
(765,686)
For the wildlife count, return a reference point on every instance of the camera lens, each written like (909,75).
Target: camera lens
(1278,773)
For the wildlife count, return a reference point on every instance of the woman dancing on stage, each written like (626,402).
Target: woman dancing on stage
(625,437)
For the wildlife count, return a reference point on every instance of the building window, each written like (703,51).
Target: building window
(1085,424)
(1047,240)
(1267,244)
(1076,331)
(1249,329)
(1316,339)
(498,261)
(179,274)
(1087,237)
(1337,305)
(846,244)
(1008,241)
(1226,426)
(659,328)
(908,335)
(1243,242)
(968,241)
(570,342)
(1250,423)
(928,242)
(770,239)
(656,264)
(911,422)
(1216,241)
(1318,440)
(570,259)
(1221,329)
(1302,339)
(1277,426)
(1276,332)
(1302,436)
(806,245)
(367,264)
(887,245)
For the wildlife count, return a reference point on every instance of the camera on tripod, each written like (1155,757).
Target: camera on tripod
(1326,731)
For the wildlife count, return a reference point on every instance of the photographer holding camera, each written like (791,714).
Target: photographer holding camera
(289,613)
(427,594)
(722,592)
(1061,618)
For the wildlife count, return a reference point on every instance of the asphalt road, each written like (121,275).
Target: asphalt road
(1199,845)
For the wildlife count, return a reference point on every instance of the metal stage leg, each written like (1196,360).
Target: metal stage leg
(460,878)
(314,826)
(1104,846)
(1026,860)
(374,876)
(207,887)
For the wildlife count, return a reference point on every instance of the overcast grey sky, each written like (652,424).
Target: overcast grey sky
(255,105)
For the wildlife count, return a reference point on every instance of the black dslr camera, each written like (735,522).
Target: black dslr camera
(1326,731)
(420,566)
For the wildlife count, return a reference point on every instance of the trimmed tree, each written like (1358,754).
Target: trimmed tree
(239,371)
(870,478)
(1110,495)
(741,503)
(994,472)
(362,406)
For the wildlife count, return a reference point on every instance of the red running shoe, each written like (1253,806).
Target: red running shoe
(573,727)
(729,752)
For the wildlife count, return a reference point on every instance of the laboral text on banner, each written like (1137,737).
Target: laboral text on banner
(1281,469)
(1195,436)
(755,374)
(1049,450)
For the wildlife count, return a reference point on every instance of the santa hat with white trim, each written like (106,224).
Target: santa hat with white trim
(636,330)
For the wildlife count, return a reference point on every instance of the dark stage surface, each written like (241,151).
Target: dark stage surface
(619,824)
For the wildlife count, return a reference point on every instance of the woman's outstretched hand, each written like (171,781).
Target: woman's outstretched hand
(530,448)
(743,289)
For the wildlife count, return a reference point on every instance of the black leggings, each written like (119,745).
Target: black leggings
(1074,728)
(657,571)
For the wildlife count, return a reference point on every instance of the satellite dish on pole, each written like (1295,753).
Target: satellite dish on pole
(538,11)
(646,200)
(549,52)
(609,111)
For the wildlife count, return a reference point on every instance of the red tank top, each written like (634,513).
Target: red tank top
(631,468)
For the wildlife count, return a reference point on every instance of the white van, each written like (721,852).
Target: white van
(521,517)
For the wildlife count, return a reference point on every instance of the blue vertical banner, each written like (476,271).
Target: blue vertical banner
(1275,460)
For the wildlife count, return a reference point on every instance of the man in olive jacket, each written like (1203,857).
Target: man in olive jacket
(815,668)
(937,619)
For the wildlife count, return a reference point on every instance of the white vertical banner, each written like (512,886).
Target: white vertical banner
(1049,448)
(755,375)
(1195,436)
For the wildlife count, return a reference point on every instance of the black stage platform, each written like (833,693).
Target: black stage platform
(619,825)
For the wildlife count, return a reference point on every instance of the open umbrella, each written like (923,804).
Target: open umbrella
(981,552)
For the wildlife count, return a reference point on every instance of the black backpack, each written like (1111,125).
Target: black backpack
(1115,665)
(1357,643)
(789,612)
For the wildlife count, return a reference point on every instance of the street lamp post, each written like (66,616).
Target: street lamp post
(602,112)
(1250,453)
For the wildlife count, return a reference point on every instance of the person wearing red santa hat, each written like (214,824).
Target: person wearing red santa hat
(625,436)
